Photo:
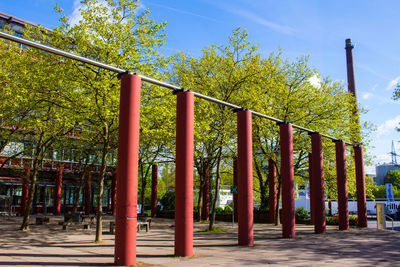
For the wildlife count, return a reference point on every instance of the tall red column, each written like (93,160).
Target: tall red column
(154,177)
(360,185)
(235,196)
(184,174)
(25,188)
(287,176)
(245,178)
(272,190)
(340,147)
(57,191)
(318,183)
(127,170)
(88,192)
(205,214)
(114,194)
(312,212)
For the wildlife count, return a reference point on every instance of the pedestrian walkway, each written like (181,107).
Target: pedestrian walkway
(49,245)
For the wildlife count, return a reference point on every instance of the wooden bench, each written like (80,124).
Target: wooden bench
(142,218)
(65,225)
(42,220)
(140,224)
(84,217)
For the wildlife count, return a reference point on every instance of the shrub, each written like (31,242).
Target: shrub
(219,210)
(168,200)
(301,215)
(228,209)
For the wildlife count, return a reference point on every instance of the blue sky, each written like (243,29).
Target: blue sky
(314,28)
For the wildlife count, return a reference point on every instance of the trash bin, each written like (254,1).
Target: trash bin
(77,217)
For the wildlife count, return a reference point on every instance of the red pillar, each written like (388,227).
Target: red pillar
(235,196)
(342,185)
(184,175)
(114,194)
(318,183)
(245,177)
(205,214)
(360,185)
(57,191)
(272,190)
(154,177)
(88,192)
(287,176)
(312,212)
(25,189)
(127,170)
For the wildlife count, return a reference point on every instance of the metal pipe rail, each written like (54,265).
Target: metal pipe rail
(144,78)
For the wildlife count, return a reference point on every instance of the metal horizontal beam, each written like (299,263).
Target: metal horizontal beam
(59,52)
(144,78)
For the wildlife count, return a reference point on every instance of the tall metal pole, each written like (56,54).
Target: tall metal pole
(360,185)
(245,177)
(287,174)
(57,191)
(318,183)
(184,174)
(154,178)
(342,185)
(127,171)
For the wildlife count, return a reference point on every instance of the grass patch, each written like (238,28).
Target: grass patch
(214,230)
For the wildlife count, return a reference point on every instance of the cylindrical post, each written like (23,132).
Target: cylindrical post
(127,171)
(154,177)
(114,194)
(44,208)
(310,185)
(205,214)
(318,183)
(57,191)
(360,185)
(272,190)
(25,188)
(88,193)
(287,176)
(184,175)
(235,196)
(340,147)
(245,177)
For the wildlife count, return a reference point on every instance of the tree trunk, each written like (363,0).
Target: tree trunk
(33,178)
(81,182)
(99,214)
(278,195)
(217,179)
(263,193)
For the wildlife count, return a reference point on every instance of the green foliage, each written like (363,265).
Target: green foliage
(334,220)
(213,230)
(393,177)
(301,215)
(379,191)
(219,210)
(228,210)
(168,200)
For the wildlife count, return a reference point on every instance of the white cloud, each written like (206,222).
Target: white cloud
(392,84)
(366,95)
(388,126)
(315,81)
(76,16)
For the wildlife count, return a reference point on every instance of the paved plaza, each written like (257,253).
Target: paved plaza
(49,245)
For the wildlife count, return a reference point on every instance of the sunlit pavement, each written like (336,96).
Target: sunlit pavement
(49,245)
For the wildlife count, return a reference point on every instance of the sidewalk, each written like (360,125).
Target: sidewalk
(49,245)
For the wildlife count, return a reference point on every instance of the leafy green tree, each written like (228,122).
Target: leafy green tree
(393,177)
(222,72)
(115,33)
